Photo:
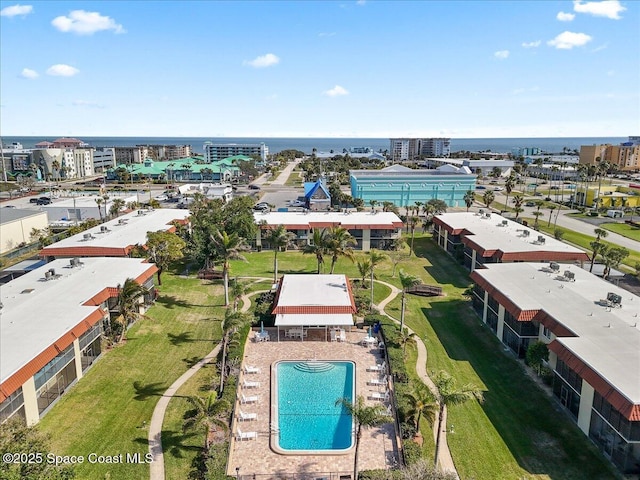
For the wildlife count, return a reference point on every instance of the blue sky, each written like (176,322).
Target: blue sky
(320,69)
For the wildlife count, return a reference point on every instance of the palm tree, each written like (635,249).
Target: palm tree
(508,186)
(364,268)
(469,198)
(100,201)
(413,224)
(116,206)
(449,394)
(318,246)
(551,209)
(597,246)
(375,258)
(407,281)
(373,204)
(237,291)
(339,243)
(364,417)
(206,412)
(517,200)
(406,337)
(422,402)
(55,166)
(228,247)
(278,237)
(537,213)
(488,198)
(129,295)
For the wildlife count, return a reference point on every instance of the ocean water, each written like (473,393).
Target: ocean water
(276,144)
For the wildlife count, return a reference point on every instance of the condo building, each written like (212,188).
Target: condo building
(214,152)
(593,336)
(409,148)
(51,324)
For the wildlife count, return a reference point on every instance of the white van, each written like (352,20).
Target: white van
(615,213)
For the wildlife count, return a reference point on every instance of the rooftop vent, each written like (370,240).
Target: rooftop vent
(122,221)
(614,300)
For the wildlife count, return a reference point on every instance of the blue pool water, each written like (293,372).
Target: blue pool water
(308,418)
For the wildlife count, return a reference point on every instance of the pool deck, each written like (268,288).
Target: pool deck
(378,446)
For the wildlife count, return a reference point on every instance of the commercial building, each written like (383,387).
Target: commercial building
(485,238)
(81,208)
(183,170)
(593,336)
(611,196)
(16,225)
(479,167)
(219,151)
(371,230)
(306,303)
(63,162)
(404,186)
(118,237)
(411,148)
(15,159)
(104,158)
(51,324)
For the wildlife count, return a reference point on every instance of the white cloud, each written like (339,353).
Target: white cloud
(361,2)
(81,22)
(600,48)
(263,61)
(28,73)
(531,44)
(608,8)
(568,40)
(62,70)
(336,91)
(501,54)
(565,17)
(15,10)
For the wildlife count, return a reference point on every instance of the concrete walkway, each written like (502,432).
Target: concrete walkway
(284,174)
(156,471)
(444,455)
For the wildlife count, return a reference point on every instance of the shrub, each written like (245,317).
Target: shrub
(412,452)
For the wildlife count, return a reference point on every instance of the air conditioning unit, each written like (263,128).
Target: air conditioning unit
(87,236)
(525,233)
(554,267)
(614,299)
(140,212)
(568,275)
(103,229)
(505,223)
(541,239)
(47,275)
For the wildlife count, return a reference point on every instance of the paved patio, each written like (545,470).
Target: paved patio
(378,446)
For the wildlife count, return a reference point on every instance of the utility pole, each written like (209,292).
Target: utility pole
(4,168)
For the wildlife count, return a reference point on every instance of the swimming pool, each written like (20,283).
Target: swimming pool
(308,419)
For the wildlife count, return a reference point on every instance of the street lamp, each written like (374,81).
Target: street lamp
(237,473)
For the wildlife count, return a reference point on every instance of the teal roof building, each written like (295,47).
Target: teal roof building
(184,169)
(404,186)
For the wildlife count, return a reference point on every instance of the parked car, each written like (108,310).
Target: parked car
(480,187)
(43,201)
(33,200)
(530,204)
(498,189)
(254,187)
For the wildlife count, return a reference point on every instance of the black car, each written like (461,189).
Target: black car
(33,200)
(43,201)
(254,187)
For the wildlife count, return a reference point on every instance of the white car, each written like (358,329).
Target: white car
(498,189)
(296,203)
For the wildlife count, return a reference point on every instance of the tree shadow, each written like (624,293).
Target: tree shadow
(143,392)
(442,268)
(179,339)
(170,301)
(174,443)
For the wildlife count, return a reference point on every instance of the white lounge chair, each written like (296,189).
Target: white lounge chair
(384,396)
(240,435)
(245,417)
(248,399)
(251,369)
(378,381)
(380,367)
(343,336)
(249,384)
(334,336)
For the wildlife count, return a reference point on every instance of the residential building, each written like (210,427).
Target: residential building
(371,230)
(211,191)
(625,157)
(482,238)
(73,162)
(131,155)
(591,329)
(525,151)
(411,148)
(16,225)
(167,152)
(81,208)
(104,158)
(51,327)
(15,159)
(117,237)
(219,151)
(313,303)
(404,186)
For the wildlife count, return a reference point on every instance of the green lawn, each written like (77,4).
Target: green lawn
(108,411)
(623,229)
(294,180)
(517,432)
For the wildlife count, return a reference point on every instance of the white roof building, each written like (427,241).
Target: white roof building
(117,237)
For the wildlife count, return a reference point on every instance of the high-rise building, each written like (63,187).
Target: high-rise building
(219,151)
(410,148)
(63,162)
(625,156)
(104,158)
(167,152)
